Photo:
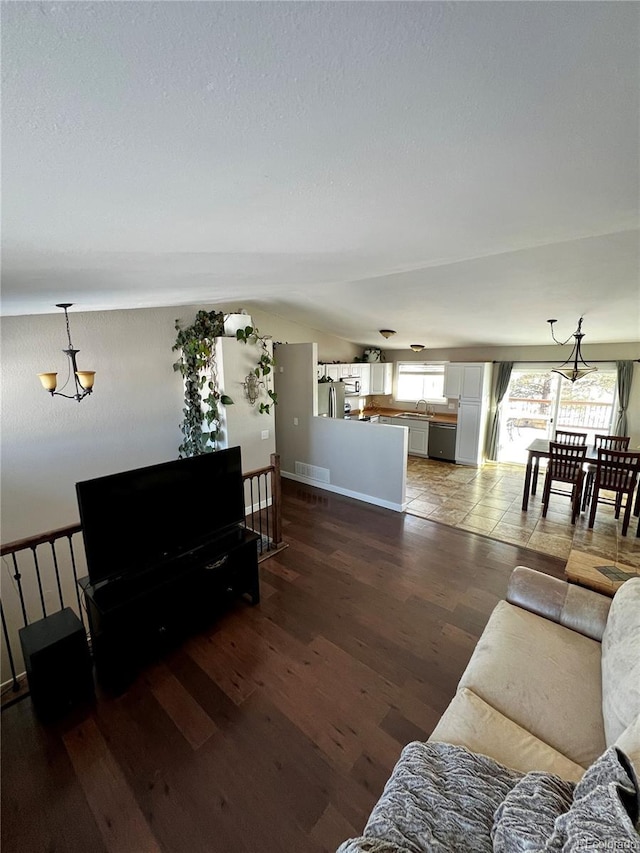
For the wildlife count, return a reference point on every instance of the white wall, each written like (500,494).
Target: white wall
(131,419)
(243,423)
(363,460)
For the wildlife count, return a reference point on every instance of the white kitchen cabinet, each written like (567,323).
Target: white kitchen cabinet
(418,435)
(468,446)
(418,440)
(465,381)
(452,380)
(473,410)
(385,420)
(330,370)
(359,371)
(365,378)
(381,378)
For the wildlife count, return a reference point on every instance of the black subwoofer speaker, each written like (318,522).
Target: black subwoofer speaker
(58,663)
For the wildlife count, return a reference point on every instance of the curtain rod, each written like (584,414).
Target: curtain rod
(555,361)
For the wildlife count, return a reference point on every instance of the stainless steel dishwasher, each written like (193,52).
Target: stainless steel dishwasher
(442,442)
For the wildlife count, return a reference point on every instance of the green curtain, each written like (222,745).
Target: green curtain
(500,385)
(625,375)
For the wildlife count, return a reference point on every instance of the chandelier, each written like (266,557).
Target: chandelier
(83,379)
(575,367)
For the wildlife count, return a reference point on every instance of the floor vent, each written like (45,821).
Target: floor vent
(312,472)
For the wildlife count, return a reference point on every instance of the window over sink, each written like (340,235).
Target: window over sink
(420,380)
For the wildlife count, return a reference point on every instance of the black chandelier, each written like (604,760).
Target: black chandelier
(575,367)
(83,379)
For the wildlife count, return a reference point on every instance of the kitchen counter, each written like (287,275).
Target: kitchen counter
(440,417)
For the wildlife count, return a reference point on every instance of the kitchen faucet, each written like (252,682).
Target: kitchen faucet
(428,410)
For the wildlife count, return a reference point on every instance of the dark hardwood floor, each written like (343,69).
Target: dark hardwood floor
(276,730)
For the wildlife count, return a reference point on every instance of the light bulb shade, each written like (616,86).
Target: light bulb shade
(573,373)
(387,333)
(417,347)
(48,380)
(86,378)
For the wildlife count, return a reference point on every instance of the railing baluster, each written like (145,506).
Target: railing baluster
(12,665)
(39,579)
(18,578)
(259,514)
(75,578)
(55,566)
(267,510)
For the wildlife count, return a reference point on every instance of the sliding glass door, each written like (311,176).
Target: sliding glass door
(538,402)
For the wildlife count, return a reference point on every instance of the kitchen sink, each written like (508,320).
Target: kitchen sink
(417,415)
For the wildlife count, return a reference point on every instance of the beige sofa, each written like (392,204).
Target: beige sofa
(552,684)
(554,679)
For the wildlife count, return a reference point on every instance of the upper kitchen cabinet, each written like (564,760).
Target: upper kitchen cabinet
(466,381)
(360,377)
(381,378)
(333,371)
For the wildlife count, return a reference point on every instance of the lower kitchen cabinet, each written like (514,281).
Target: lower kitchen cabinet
(418,440)
(470,434)
(418,444)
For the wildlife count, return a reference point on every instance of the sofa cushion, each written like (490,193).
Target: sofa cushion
(469,721)
(544,677)
(621,661)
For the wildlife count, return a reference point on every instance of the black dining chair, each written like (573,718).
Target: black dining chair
(606,442)
(566,465)
(616,471)
(565,437)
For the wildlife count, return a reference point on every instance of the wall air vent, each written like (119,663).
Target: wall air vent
(313,472)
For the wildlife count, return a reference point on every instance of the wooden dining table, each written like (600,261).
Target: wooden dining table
(537,450)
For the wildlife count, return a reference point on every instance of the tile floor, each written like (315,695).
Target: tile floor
(488,500)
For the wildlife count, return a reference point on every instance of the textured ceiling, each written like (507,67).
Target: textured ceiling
(457,171)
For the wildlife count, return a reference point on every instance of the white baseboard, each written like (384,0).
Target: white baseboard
(348,493)
(256,507)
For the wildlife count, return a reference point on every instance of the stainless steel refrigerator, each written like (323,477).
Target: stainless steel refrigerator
(331,399)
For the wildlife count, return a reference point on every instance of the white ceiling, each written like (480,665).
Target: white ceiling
(459,172)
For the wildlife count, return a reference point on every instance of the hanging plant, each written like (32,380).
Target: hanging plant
(258,378)
(197,364)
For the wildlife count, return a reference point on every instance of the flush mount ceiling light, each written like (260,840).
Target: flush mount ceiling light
(575,367)
(387,333)
(83,379)
(417,347)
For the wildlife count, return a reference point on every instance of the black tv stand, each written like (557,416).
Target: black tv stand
(133,619)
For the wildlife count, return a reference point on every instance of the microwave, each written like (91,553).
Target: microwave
(351,386)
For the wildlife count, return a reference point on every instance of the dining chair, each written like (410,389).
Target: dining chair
(566,465)
(606,442)
(616,471)
(565,437)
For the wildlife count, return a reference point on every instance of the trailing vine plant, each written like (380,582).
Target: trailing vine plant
(251,335)
(197,364)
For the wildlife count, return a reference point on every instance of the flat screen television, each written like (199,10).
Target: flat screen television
(135,521)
